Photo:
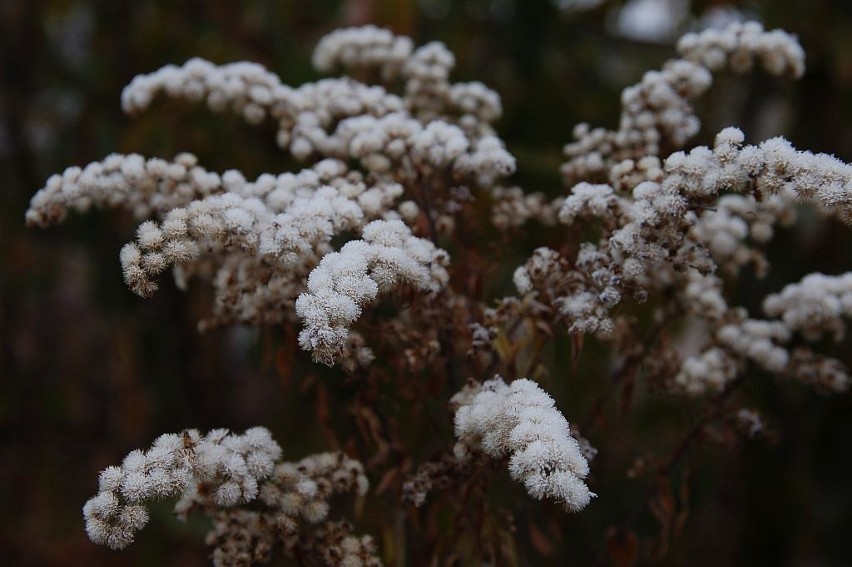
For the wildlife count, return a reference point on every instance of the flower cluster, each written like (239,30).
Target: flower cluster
(814,306)
(294,515)
(396,161)
(520,421)
(707,208)
(367,46)
(130,182)
(258,241)
(344,281)
(656,115)
(219,468)
(217,474)
(742,45)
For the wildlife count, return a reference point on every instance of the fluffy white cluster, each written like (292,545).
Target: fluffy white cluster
(390,172)
(426,68)
(425,150)
(736,340)
(541,264)
(757,341)
(677,224)
(742,46)
(582,297)
(302,489)
(311,117)
(750,422)
(665,226)
(629,173)
(143,187)
(656,113)
(247,87)
(431,63)
(512,207)
(346,280)
(366,46)
(429,94)
(400,146)
(427,88)
(520,421)
(711,370)
(769,168)
(702,296)
(822,372)
(249,225)
(255,93)
(293,513)
(815,306)
(217,474)
(734,220)
(588,201)
(229,468)
(321,105)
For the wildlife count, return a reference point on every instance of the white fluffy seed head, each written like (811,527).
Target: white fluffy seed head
(520,420)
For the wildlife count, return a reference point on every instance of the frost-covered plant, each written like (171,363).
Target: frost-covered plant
(395,173)
(519,419)
(219,474)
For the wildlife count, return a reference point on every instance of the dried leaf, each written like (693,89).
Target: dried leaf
(541,542)
(387,480)
(622,547)
(664,502)
(663,506)
(577,340)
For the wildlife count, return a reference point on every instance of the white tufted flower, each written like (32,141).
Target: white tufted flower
(174,466)
(520,421)
(345,281)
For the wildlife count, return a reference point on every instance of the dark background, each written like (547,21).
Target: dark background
(88,371)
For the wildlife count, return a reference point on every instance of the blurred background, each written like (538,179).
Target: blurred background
(88,371)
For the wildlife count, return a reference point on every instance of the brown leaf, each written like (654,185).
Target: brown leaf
(387,480)
(577,344)
(665,497)
(622,547)
(541,542)
(544,327)
(663,507)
